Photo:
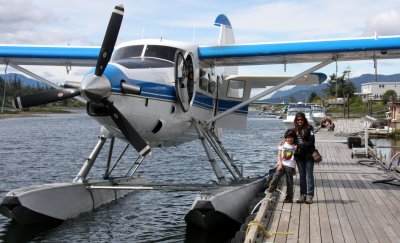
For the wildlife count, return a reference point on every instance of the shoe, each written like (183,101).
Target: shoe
(301,199)
(288,200)
(309,199)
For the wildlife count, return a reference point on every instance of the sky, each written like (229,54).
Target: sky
(83,23)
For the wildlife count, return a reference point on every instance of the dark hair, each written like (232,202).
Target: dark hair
(290,133)
(305,123)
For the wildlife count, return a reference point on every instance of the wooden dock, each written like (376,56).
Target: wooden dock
(348,206)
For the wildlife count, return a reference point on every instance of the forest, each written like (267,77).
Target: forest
(14,87)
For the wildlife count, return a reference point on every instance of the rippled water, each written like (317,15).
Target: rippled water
(52,149)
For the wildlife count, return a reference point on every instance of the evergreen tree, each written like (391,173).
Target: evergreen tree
(389,95)
(314,97)
(339,86)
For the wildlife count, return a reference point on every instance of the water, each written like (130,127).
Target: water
(52,149)
(388,148)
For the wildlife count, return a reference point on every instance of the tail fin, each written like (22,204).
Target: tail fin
(226,37)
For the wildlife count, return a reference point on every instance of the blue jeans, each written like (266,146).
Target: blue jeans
(306,171)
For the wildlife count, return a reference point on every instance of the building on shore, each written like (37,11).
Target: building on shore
(375,90)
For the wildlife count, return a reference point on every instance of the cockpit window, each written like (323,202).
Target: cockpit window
(128,52)
(162,52)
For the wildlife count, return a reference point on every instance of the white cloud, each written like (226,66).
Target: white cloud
(62,22)
(384,23)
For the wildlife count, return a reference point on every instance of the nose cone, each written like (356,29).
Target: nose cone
(94,88)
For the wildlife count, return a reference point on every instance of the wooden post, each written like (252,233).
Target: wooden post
(265,205)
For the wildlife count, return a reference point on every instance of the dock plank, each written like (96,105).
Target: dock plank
(315,228)
(348,206)
(376,205)
(326,232)
(355,225)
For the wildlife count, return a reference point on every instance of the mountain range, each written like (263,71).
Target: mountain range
(302,92)
(25,81)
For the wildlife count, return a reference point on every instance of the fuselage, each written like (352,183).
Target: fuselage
(158,111)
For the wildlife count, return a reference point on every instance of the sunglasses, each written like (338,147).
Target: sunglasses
(299,120)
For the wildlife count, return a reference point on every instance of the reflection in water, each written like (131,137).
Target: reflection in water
(61,144)
(14,232)
(388,148)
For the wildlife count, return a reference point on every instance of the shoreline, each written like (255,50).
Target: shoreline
(39,113)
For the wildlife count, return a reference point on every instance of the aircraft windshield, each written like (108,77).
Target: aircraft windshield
(128,52)
(162,52)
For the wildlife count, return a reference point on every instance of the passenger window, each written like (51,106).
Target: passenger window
(236,89)
(211,87)
(204,82)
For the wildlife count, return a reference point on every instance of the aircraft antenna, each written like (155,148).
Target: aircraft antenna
(336,84)
(194,33)
(376,68)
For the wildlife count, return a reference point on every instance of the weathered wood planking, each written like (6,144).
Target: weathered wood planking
(348,206)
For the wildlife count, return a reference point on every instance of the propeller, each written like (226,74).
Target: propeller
(44,97)
(110,39)
(96,88)
(127,129)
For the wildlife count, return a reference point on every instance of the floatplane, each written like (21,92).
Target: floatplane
(151,93)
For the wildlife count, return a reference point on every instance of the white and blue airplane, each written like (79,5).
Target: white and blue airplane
(160,93)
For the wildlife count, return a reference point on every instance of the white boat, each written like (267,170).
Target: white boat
(318,113)
(292,110)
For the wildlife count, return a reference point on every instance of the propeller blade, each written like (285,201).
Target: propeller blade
(72,85)
(127,129)
(44,97)
(109,39)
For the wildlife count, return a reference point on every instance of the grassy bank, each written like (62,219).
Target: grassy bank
(36,111)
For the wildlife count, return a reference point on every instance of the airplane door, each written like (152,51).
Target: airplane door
(184,80)
(230,93)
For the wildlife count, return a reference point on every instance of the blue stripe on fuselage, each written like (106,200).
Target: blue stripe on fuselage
(164,92)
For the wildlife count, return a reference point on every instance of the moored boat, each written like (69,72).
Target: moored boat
(293,109)
(318,113)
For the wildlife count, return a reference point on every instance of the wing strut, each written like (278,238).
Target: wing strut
(268,91)
(37,77)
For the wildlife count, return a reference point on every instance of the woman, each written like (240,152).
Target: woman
(304,159)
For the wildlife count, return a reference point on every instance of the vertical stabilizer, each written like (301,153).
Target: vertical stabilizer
(226,37)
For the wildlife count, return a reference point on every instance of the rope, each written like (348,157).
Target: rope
(264,231)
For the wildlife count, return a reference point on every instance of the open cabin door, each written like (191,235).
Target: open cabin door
(230,93)
(184,80)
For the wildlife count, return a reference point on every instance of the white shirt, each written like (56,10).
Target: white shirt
(287,154)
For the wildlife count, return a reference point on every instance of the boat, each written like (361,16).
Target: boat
(293,109)
(225,206)
(318,113)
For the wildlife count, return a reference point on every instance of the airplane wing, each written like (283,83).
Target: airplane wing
(385,47)
(264,81)
(49,55)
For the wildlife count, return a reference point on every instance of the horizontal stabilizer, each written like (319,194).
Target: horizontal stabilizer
(263,81)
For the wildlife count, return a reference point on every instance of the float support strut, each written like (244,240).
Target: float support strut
(81,177)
